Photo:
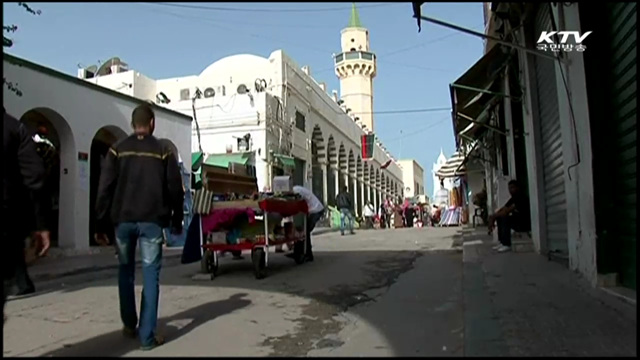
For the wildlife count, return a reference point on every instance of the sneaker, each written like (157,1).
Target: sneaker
(157,341)
(497,246)
(503,249)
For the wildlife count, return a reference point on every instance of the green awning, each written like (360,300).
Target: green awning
(223,160)
(285,160)
(196,160)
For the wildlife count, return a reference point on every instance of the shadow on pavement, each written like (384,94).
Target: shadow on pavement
(113,344)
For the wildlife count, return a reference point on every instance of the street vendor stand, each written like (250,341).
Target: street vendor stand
(259,245)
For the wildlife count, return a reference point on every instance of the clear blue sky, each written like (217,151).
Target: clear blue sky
(161,41)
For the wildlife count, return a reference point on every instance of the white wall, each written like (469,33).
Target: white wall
(412,173)
(77,110)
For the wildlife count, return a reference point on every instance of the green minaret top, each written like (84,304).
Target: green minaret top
(354,21)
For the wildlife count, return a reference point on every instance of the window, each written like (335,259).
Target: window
(300,121)
(352,55)
(184,94)
(367,55)
(339,57)
(352,49)
(353,40)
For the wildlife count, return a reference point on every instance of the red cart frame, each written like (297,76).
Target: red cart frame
(260,248)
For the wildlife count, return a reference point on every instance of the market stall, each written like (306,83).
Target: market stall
(231,216)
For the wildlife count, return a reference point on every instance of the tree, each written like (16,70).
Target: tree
(7,43)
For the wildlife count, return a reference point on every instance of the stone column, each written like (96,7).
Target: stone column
(362,193)
(325,188)
(356,204)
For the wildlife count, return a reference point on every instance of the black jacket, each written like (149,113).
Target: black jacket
(23,178)
(343,201)
(140,182)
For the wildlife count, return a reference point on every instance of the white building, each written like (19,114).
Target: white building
(272,114)
(412,177)
(447,182)
(81,120)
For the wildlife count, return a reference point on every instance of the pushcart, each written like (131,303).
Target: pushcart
(260,246)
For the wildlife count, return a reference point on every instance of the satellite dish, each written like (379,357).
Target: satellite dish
(242,89)
(105,68)
(209,92)
(92,68)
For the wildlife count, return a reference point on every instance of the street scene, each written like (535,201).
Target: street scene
(216,179)
(364,295)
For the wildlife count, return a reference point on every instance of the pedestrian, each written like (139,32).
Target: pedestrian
(140,191)
(24,176)
(345,205)
(514,215)
(315,213)
(382,213)
(368,211)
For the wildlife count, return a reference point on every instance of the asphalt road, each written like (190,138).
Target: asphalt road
(376,293)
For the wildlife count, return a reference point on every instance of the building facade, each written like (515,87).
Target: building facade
(272,114)
(562,121)
(81,120)
(413,178)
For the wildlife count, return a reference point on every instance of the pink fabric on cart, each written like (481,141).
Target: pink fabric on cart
(222,217)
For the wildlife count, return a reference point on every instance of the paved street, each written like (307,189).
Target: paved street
(406,292)
(375,293)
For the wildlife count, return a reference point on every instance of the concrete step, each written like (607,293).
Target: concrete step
(522,243)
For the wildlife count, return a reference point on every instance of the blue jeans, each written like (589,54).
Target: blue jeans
(150,237)
(345,214)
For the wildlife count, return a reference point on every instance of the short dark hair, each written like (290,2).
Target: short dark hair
(345,189)
(142,115)
(514,183)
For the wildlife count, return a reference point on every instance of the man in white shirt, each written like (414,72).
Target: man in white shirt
(316,211)
(368,213)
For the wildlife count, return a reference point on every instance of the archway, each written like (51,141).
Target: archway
(318,156)
(342,166)
(57,147)
(332,163)
(104,138)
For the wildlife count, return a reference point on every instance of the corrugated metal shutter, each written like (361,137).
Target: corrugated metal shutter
(622,137)
(551,137)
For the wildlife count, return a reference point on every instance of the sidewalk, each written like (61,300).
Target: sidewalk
(520,304)
(57,266)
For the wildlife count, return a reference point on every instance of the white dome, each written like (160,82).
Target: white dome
(231,64)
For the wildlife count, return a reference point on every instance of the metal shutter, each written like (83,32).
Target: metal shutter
(622,133)
(555,199)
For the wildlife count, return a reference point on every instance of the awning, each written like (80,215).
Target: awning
(223,160)
(196,160)
(285,160)
(454,167)
(476,91)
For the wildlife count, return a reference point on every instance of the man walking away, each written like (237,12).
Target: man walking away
(23,177)
(515,214)
(141,191)
(316,211)
(343,201)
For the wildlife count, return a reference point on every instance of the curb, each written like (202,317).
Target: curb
(92,269)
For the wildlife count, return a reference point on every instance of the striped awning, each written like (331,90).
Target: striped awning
(453,167)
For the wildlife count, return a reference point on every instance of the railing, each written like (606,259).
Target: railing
(354,55)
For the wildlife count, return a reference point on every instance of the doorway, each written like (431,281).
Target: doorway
(102,141)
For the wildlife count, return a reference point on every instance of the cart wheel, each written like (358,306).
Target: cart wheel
(258,258)
(207,262)
(298,252)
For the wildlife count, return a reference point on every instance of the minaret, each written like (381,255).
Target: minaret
(356,68)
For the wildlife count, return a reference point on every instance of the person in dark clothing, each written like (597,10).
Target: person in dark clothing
(345,205)
(140,191)
(23,177)
(514,215)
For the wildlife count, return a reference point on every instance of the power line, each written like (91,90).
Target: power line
(405,111)
(419,131)
(218,8)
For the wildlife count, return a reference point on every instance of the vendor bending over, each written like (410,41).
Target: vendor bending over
(514,215)
(316,211)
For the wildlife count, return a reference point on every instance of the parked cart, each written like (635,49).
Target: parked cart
(260,244)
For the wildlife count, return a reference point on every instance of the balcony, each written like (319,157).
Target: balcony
(354,55)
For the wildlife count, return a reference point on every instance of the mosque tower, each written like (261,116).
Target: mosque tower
(356,67)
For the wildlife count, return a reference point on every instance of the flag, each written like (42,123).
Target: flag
(386,164)
(367,143)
